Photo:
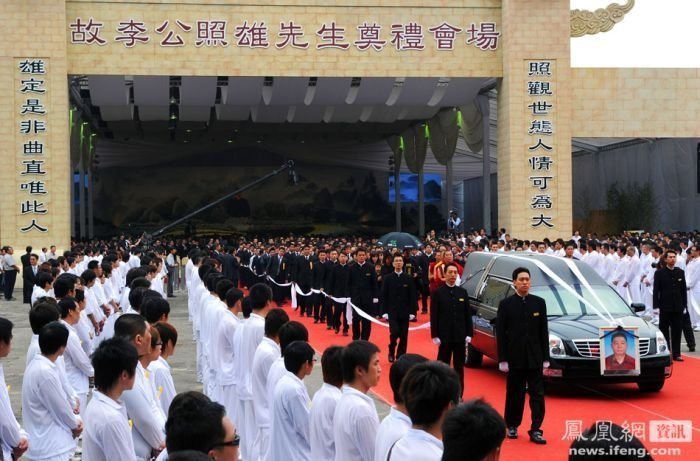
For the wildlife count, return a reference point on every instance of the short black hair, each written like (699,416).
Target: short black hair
(88,276)
(297,354)
(168,333)
(42,279)
(357,354)
(42,314)
(140,282)
(332,365)
(398,371)
(427,389)
(52,337)
(588,446)
(222,287)
(63,284)
(290,332)
(110,359)
(66,305)
(233,296)
(194,423)
(519,270)
(212,279)
(128,326)
(133,274)
(274,320)
(154,308)
(618,334)
(246,307)
(136,297)
(260,295)
(471,431)
(5,330)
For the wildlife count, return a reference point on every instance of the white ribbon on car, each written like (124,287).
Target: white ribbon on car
(549,272)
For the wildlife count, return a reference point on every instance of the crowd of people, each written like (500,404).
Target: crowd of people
(97,365)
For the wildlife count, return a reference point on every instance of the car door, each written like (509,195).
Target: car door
(493,290)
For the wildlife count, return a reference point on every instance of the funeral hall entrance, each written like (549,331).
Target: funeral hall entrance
(148,150)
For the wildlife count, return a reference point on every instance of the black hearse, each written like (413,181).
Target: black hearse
(573,326)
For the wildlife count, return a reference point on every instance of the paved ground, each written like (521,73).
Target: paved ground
(183,362)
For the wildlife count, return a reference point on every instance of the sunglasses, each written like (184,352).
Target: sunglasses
(233,443)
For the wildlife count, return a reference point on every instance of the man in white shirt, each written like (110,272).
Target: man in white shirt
(251,334)
(355,422)
(78,367)
(429,391)
(265,355)
(290,413)
(107,432)
(397,422)
(48,417)
(141,403)
(13,440)
(324,404)
(224,357)
(474,428)
(160,369)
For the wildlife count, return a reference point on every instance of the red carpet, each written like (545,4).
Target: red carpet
(620,403)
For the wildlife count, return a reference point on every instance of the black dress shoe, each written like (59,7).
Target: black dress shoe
(391,357)
(345,333)
(512,432)
(678,359)
(328,327)
(536,437)
(691,348)
(315,320)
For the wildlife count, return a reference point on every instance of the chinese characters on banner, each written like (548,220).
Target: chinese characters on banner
(540,130)
(33,126)
(169,32)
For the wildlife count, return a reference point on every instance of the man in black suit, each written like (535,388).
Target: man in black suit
(671,299)
(24,259)
(522,336)
(451,324)
(364,294)
(422,282)
(339,287)
(303,276)
(398,305)
(320,273)
(29,272)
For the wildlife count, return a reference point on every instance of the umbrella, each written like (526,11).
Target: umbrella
(399,240)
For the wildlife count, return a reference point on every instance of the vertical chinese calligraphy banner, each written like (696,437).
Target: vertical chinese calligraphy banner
(34,160)
(534,121)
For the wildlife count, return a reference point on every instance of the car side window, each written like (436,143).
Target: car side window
(494,291)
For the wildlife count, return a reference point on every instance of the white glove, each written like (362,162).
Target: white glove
(467,340)
(503,366)
(436,341)
(545,364)
(411,317)
(375,300)
(385,316)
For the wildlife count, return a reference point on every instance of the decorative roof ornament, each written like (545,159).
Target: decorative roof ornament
(585,22)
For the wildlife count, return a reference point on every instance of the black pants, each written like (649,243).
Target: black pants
(338,310)
(515,396)
(27,289)
(10,278)
(278,292)
(317,300)
(361,327)
(453,352)
(398,331)
(327,311)
(305,302)
(424,290)
(688,330)
(672,321)
(172,273)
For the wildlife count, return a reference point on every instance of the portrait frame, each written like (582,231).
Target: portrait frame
(624,364)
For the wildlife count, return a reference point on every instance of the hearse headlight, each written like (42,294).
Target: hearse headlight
(556,346)
(661,344)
